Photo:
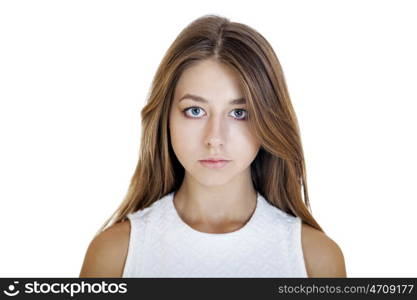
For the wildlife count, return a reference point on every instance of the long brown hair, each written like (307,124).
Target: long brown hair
(278,171)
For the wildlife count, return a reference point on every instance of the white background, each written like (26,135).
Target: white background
(74,76)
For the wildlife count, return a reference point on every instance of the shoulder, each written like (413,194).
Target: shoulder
(107,252)
(322,255)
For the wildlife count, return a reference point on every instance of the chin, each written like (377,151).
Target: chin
(212,180)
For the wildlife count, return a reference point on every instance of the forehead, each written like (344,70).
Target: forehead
(211,80)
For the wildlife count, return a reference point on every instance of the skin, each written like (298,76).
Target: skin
(211,200)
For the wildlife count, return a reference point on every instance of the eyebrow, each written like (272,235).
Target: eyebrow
(201,99)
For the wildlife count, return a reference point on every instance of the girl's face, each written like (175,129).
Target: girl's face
(209,125)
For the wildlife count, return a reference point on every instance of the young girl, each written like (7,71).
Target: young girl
(220,186)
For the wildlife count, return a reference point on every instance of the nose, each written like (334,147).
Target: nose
(215,131)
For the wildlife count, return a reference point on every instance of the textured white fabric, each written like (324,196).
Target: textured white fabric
(163,245)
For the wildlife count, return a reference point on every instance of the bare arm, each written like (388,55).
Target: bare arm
(323,256)
(106,254)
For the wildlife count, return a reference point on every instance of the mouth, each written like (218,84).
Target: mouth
(214,164)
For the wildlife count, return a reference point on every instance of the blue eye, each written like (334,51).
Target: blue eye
(194,113)
(241,113)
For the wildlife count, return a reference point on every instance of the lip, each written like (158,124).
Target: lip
(215,158)
(214,163)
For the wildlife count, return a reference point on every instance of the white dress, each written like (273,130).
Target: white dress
(162,245)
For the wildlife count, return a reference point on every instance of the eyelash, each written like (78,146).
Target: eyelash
(184,111)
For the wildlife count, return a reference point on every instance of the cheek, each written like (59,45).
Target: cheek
(243,139)
(183,137)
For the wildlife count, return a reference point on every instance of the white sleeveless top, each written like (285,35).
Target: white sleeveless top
(162,245)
